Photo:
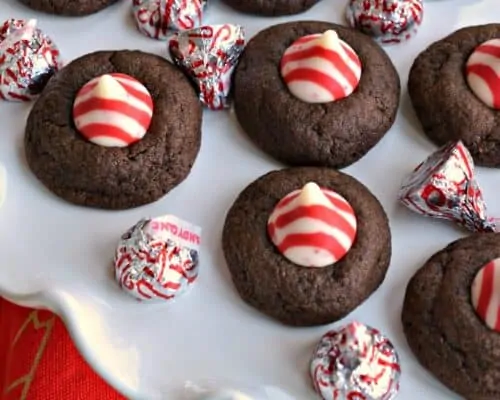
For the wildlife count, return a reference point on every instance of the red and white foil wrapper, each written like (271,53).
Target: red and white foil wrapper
(208,55)
(443,186)
(157,259)
(28,59)
(158,18)
(355,362)
(387,21)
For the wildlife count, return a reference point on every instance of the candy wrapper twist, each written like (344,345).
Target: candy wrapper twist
(355,362)
(28,59)
(158,18)
(157,259)
(443,186)
(387,21)
(208,55)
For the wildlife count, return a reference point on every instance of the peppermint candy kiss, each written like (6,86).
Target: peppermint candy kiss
(321,68)
(482,71)
(28,59)
(113,110)
(313,227)
(387,21)
(355,362)
(485,294)
(158,18)
(157,259)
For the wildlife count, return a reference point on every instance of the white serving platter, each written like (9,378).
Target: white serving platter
(58,256)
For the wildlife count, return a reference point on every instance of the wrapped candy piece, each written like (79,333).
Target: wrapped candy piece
(28,59)
(355,362)
(208,55)
(443,186)
(157,259)
(387,21)
(158,18)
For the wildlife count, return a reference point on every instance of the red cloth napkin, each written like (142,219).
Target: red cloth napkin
(38,360)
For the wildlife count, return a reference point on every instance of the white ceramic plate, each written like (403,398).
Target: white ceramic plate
(58,256)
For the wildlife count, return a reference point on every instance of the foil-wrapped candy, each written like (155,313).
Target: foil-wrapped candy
(387,21)
(355,362)
(208,55)
(157,259)
(158,18)
(443,186)
(28,59)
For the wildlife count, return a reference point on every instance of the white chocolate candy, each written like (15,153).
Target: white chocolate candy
(313,227)
(483,73)
(485,294)
(113,110)
(3,184)
(321,68)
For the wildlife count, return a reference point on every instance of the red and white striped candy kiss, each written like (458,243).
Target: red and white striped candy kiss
(321,68)
(485,294)
(312,227)
(113,110)
(483,73)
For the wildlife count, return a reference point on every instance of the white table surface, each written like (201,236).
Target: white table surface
(57,255)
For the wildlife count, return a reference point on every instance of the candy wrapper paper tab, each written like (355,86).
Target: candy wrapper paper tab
(355,362)
(158,18)
(157,259)
(28,59)
(443,186)
(387,21)
(208,56)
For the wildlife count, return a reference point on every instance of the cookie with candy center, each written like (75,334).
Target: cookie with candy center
(306,246)
(453,87)
(325,110)
(113,110)
(321,68)
(444,305)
(95,175)
(312,227)
(483,72)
